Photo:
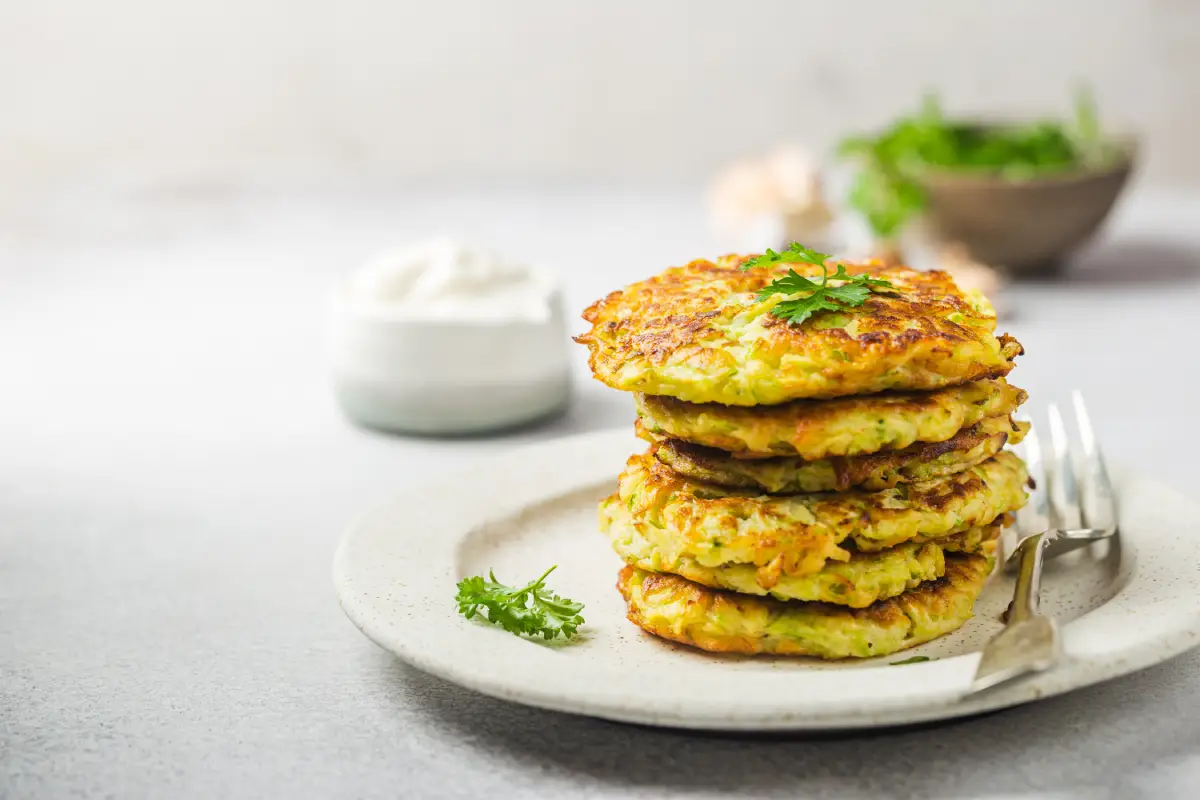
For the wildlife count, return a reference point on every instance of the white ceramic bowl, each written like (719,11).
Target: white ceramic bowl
(448,377)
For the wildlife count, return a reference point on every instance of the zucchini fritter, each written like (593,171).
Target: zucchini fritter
(797,534)
(864,579)
(873,472)
(699,333)
(847,426)
(724,622)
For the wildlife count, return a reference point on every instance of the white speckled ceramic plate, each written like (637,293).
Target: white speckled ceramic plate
(1123,607)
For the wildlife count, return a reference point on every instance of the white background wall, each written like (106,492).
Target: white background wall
(553,89)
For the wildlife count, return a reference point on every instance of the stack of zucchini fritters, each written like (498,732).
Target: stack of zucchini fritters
(833,488)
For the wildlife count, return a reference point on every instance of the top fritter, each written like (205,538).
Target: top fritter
(701,333)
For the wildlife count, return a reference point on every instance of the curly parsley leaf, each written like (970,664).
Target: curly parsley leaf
(795,253)
(532,609)
(851,292)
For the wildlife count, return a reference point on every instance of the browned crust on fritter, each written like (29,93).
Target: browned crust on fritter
(930,597)
(850,471)
(934,495)
(799,535)
(674,319)
(671,316)
(803,415)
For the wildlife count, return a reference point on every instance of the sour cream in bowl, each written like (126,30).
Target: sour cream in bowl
(442,338)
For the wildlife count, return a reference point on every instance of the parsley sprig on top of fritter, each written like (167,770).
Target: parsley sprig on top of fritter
(531,609)
(851,291)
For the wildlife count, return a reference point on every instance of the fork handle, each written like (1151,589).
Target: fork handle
(1029,579)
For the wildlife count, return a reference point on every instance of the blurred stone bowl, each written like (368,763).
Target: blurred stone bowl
(1026,226)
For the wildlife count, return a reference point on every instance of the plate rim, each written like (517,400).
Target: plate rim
(1074,674)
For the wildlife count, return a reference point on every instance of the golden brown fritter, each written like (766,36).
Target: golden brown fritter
(798,534)
(816,429)
(790,475)
(724,622)
(699,333)
(858,582)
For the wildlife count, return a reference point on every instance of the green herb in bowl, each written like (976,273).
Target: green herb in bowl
(898,168)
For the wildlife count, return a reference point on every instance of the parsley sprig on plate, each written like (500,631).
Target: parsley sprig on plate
(531,609)
(806,296)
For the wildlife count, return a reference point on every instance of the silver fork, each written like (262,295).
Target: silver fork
(1096,516)
(1055,516)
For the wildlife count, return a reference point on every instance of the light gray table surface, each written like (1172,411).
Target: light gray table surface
(174,477)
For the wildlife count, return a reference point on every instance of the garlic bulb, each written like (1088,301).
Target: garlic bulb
(784,185)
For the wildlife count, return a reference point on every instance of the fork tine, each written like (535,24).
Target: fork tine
(1086,435)
(1099,500)
(1033,518)
(1063,487)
